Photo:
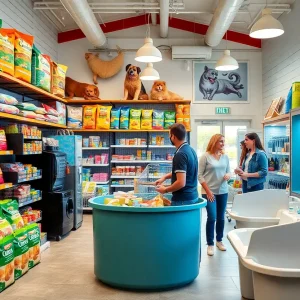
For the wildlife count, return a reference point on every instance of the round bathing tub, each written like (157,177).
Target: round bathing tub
(146,248)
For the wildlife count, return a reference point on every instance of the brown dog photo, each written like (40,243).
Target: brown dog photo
(133,87)
(81,90)
(160,91)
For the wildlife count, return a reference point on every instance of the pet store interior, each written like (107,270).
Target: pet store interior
(149,149)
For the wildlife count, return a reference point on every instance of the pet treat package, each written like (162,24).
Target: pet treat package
(7,58)
(158,119)
(9,109)
(61,110)
(34,234)
(58,79)
(23,52)
(89,116)
(169,119)
(135,119)
(40,111)
(26,106)
(21,252)
(10,211)
(146,122)
(5,228)
(124,118)
(74,116)
(6,262)
(183,109)
(115,118)
(6,99)
(103,117)
(185,120)
(50,110)
(3,141)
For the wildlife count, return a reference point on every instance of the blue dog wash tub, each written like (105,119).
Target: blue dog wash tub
(146,248)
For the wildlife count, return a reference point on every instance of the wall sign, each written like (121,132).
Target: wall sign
(222,110)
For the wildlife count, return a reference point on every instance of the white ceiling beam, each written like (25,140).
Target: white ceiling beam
(164,18)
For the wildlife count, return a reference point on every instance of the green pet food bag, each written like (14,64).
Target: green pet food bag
(124,118)
(10,211)
(34,238)
(169,119)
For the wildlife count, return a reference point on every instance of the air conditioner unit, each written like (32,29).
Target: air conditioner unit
(191,52)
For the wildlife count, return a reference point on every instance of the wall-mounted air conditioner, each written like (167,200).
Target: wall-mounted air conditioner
(191,52)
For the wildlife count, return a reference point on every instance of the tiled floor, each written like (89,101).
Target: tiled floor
(66,272)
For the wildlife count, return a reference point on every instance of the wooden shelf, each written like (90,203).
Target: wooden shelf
(19,119)
(6,152)
(95,148)
(120,130)
(18,86)
(280,118)
(128,146)
(141,161)
(83,101)
(5,186)
(95,165)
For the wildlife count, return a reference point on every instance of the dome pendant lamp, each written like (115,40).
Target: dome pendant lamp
(267,26)
(226,62)
(149,73)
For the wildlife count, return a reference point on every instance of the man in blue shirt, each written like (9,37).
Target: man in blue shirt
(184,173)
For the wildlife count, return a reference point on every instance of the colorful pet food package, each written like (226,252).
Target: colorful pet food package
(103,117)
(169,119)
(23,52)
(50,118)
(10,211)
(89,116)
(6,262)
(26,106)
(183,112)
(5,228)
(58,79)
(50,110)
(7,58)
(183,109)
(124,118)
(3,142)
(40,111)
(9,100)
(1,177)
(9,109)
(74,116)
(28,114)
(115,118)
(146,122)
(61,110)
(34,239)
(21,252)
(187,122)
(135,119)
(158,119)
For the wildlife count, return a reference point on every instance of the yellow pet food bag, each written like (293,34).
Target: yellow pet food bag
(146,119)
(58,79)
(183,109)
(89,116)
(135,119)
(23,52)
(7,40)
(103,117)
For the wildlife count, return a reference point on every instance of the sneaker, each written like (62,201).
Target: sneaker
(210,250)
(221,246)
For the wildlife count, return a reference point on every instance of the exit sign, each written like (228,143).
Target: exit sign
(222,110)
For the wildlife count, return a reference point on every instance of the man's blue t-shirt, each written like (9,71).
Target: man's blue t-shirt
(185,161)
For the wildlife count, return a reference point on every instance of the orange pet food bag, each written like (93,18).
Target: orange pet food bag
(89,116)
(7,40)
(183,109)
(187,122)
(23,53)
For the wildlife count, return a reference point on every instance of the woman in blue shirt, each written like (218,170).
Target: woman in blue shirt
(255,165)
(213,174)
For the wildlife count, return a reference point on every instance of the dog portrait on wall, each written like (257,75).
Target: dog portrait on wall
(212,86)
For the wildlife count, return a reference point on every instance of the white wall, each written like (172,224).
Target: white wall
(19,14)
(281,59)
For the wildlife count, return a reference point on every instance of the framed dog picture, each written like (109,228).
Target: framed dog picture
(212,86)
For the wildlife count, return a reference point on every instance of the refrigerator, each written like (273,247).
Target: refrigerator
(72,146)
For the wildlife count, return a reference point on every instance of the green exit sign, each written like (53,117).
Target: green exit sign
(222,110)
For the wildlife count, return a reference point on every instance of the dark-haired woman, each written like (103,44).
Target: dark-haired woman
(255,164)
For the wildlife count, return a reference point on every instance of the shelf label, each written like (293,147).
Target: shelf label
(222,110)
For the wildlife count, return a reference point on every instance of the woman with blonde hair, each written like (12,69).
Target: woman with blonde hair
(213,174)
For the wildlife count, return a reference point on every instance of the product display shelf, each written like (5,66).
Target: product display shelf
(13,176)
(29,201)
(128,146)
(161,146)
(295,150)
(6,152)
(95,165)
(121,130)
(123,176)
(140,161)
(6,185)
(15,118)
(279,173)
(95,148)
(101,182)
(18,86)
(122,185)
(280,118)
(36,221)
(280,153)
(125,102)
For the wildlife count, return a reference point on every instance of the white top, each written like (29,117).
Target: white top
(247,164)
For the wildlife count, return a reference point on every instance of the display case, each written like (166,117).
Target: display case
(295,150)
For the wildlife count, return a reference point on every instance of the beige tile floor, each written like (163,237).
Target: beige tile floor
(66,272)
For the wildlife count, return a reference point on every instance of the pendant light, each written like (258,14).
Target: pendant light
(226,62)
(149,73)
(148,52)
(267,26)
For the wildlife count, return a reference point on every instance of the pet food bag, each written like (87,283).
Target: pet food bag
(3,142)
(183,109)
(124,118)
(6,99)
(185,120)
(58,79)
(5,228)
(103,117)
(74,116)
(115,118)
(10,211)
(7,41)
(158,119)
(26,106)
(50,110)
(21,252)
(135,119)
(61,110)
(146,122)
(9,109)
(50,118)
(6,262)
(89,116)
(23,52)
(34,234)
(169,119)
(40,111)
(28,114)
(1,177)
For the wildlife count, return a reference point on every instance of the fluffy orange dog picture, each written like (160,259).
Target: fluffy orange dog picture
(160,92)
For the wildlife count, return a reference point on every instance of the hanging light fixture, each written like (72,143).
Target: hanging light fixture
(148,52)
(226,62)
(149,73)
(267,26)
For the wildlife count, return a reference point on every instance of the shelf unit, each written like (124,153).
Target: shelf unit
(6,185)
(125,102)
(128,146)
(122,176)
(95,165)
(280,153)
(95,148)
(30,201)
(6,152)
(36,221)
(141,161)
(121,130)
(122,185)
(101,182)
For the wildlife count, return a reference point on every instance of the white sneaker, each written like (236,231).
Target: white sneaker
(221,246)
(210,250)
